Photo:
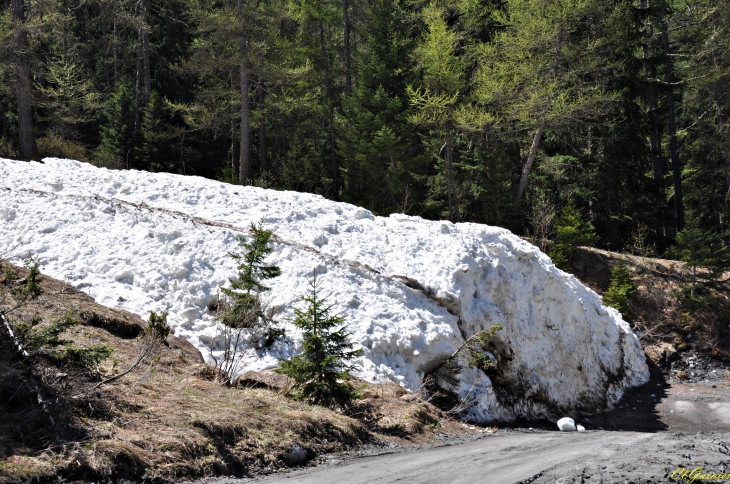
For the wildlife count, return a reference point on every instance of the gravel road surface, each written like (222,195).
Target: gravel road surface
(680,425)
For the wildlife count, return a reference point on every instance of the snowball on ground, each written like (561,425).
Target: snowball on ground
(566,424)
(410,289)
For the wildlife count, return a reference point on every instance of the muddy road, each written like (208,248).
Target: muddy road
(655,430)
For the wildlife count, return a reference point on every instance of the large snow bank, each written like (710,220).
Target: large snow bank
(410,289)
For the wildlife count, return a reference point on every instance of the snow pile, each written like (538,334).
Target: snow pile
(411,290)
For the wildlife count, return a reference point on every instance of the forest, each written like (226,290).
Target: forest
(517,113)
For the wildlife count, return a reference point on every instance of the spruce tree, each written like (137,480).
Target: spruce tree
(376,140)
(699,248)
(117,131)
(320,372)
(245,324)
(621,289)
(244,294)
(572,232)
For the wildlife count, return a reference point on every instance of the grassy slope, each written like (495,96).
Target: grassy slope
(655,310)
(168,419)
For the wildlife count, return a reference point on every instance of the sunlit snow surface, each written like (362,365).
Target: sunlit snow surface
(410,289)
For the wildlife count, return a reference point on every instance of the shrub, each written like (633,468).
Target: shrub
(53,145)
(320,373)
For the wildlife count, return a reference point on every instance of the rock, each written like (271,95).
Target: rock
(580,428)
(264,379)
(297,456)
(682,375)
(661,353)
(566,424)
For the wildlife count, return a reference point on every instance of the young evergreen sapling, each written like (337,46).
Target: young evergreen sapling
(620,290)
(699,248)
(572,232)
(320,373)
(243,316)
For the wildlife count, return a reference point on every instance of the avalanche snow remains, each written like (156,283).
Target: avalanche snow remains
(411,290)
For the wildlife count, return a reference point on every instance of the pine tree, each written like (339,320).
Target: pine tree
(320,372)
(436,102)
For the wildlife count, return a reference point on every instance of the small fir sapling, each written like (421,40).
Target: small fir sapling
(572,232)
(621,289)
(700,249)
(320,373)
(243,318)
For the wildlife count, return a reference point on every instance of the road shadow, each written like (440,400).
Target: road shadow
(637,411)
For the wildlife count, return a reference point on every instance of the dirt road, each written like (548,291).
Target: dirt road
(529,457)
(685,425)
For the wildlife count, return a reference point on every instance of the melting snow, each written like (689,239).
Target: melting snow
(411,289)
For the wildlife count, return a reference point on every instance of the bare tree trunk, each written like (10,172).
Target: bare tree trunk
(671,122)
(330,95)
(262,128)
(453,202)
(722,133)
(655,147)
(138,86)
(115,48)
(105,46)
(541,127)
(724,151)
(21,52)
(145,34)
(346,28)
(244,166)
(530,160)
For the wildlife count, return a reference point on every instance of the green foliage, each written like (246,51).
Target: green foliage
(572,232)
(30,287)
(53,145)
(620,289)
(45,340)
(117,130)
(700,249)
(375,138)
(244,309)
(474,356)
(245,323)
(86,359)
(320,373)
(157,327)
(34,336)
(446,101)
(68,96)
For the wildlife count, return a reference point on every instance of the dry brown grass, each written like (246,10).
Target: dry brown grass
(169,419)
(655,309)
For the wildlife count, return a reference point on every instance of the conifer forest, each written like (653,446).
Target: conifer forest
(611,114)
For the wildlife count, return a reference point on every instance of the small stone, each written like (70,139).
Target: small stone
(297,456)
